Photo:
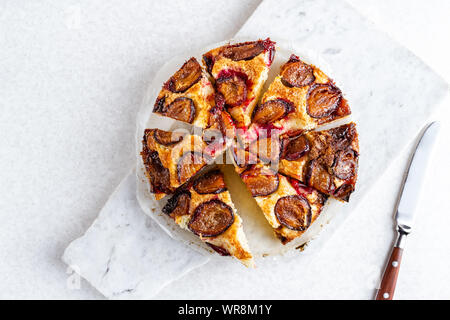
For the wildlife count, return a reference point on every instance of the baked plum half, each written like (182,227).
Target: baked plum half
(345,164)
(271,111)
(167,138)
(233,89)
(211,182)
(261,181)
(322,100)
(182,109)
(219,250)
(211,218)
(296,73)
(344,192)
(189,164)
(158,174)
(189,74)
(243,51)
(318,177)
(178,205)
(293,212)
(295,148)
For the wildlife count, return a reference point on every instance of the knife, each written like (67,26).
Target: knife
(406,207)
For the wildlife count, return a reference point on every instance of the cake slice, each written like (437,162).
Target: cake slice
(289,206)
(300,98)
(204,207)
(240,71)
(187,96)
(172,158)
(326,160)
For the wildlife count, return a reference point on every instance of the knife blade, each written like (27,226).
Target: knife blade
(407,206)
(413,184)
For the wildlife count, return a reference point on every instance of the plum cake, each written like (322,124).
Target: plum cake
(289,206)
(325,160)
(300,98)
(187,96)
(172,158)
(239,72)
(204,207)
(289,165)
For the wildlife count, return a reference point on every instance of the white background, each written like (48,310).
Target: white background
(72,74)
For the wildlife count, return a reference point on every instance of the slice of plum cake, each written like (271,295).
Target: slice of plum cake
(204,207)
(239,72)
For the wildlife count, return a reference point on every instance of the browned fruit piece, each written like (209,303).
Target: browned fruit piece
(219,250)
(178,205)
(182,109)
(343,192)
(319,178)
(212,182)
(345,165)
(211,218)
(297,74)
(233,89)
(343,136)
(158,174)
(295,148)
(267,149)
(293,212)
(186,77)
(322,100)
(167,138)
(189,164)
(271,111)
(243,51)
(261,181)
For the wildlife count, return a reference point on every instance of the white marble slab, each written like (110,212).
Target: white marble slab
(125,254)
(391,92)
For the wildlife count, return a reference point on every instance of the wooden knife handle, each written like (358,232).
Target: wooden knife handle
(387,287)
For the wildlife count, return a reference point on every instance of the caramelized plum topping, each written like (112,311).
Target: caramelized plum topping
(167,138)
(158,174)
(295,148)
(243,51)
(322,100)
(188,165)
(211,218)
(189,74)
(178,205)
(208,61)
(343,136)
(159,104)
(219,250)
(293,212)
(297,74)
(261,181)
(271,111)
(343,192)
(211,182)
(266,148)
(182,109)
(319,178)
(233,90)
(345,164)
